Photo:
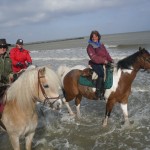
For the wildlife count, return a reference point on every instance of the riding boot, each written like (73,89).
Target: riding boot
(100,88)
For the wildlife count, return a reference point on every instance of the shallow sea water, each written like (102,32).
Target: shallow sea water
(59,131)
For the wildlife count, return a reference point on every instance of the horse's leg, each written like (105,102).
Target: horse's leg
(125,113)
(77,103)
(15,142)
(68,107)
(28,140)
(109,106)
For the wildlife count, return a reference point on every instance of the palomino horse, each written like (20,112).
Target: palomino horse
(123,75)
(19,116)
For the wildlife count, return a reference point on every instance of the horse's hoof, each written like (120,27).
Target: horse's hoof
(72,114)
(127,123)
(104,123)
(78,117)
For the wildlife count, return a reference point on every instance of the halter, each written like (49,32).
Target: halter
(145,60)
(47,99)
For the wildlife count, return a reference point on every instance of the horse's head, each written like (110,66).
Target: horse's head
(48,88)
(144,58)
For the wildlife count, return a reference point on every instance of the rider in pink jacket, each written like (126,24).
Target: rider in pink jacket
(99,56)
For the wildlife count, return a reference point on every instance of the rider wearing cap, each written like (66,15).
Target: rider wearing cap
(20,57)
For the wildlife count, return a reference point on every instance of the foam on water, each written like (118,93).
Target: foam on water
(58,130)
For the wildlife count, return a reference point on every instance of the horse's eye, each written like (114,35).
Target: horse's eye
(46,86)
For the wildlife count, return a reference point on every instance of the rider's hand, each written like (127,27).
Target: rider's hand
(28,64)
(105,62)
(19,64)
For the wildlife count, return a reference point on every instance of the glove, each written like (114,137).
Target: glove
(19,64)
(28,64)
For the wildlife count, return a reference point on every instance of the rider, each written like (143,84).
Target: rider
(99,56)
(6,76)
(5,64)
(20,57)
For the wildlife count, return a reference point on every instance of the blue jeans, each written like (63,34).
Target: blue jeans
(98,68)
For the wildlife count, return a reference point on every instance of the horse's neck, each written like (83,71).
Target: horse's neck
(129,75)
(136,67)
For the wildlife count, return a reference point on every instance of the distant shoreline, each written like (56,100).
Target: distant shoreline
(111,40)
(49,41)
(82,37)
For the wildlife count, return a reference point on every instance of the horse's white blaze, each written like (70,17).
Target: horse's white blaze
(124,109)
(116,78)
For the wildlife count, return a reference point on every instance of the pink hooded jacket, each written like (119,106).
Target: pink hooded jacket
(98,55)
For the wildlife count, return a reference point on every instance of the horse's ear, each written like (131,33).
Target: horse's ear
(140,48)
(42,71)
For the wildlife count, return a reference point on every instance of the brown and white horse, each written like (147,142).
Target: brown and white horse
(123,75)
(19,116)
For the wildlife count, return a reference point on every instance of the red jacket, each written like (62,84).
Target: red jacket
(98,55)
(21,56)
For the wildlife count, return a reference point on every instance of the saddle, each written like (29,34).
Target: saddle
(88,77)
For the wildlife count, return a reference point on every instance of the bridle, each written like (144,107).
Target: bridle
(47,99)
(145,60)
(139,59)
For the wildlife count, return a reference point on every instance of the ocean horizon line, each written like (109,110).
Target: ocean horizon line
(81,37)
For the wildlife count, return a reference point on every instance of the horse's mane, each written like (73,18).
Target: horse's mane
(25,88)
(127,62)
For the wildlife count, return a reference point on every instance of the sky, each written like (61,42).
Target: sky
(42,20)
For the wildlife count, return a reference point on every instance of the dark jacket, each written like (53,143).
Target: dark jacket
(5,69)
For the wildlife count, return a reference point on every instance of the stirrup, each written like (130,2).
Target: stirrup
(99,95)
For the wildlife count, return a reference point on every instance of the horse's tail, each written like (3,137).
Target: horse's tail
(62,71)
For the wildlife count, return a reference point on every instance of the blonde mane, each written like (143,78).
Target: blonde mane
(25,89)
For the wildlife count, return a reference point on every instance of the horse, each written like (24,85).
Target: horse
(123,75)
(19,117)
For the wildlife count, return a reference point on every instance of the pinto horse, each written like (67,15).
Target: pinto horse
(19,116)
(123,75)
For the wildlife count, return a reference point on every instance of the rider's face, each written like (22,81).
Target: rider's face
(2,50)
(19,46)
(95,38)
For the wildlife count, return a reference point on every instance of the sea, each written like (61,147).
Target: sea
(59,131)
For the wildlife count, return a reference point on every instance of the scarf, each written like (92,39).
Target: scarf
(94,44)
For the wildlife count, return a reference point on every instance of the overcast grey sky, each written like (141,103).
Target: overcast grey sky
(39,20)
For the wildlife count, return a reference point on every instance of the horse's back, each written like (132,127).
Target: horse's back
(72,76)
(71,82)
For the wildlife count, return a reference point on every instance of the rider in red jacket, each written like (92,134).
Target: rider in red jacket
(20,57)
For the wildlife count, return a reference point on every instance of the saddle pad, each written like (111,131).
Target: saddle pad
(107,84)
(109,78)
(86,82)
